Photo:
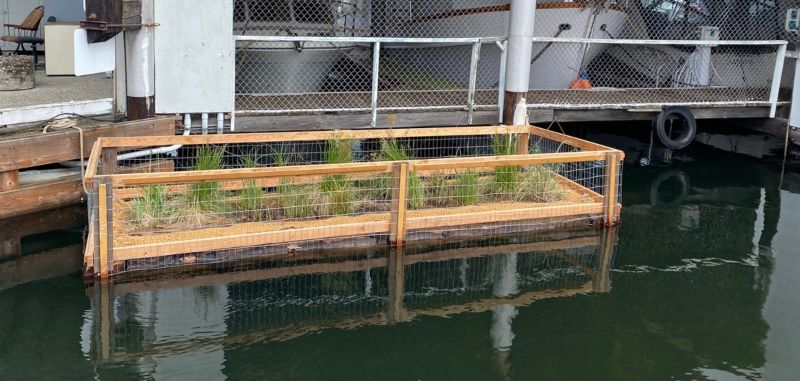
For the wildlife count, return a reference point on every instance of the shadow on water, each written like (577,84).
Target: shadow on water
(699,282)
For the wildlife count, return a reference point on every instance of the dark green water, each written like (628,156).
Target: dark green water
(703,284)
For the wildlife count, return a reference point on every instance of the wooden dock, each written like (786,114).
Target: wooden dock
(30,148)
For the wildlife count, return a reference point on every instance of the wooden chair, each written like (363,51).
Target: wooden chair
(26,33)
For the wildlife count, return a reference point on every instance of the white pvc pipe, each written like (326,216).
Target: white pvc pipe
(376,60)
(519,47)
(187,129)
(794,112)
(220,122)
(204,123)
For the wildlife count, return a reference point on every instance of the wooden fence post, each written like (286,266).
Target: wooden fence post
(399,203)
(523,140)
(105,228)
(612,163)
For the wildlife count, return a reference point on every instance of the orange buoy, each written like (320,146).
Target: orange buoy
(581,83)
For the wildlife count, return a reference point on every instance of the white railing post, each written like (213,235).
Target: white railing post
(777,73)
(473,79)
(501,81)
(376,61)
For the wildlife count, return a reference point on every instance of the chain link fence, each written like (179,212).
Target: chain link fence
(389,56)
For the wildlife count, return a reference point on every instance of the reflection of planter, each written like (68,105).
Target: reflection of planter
(16,73)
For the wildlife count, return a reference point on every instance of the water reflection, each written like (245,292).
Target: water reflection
(154,321)
(704,287)
(41,245)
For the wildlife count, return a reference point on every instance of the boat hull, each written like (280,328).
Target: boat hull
(556,67)
(285,71)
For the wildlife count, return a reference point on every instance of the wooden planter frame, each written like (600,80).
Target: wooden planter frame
(109,185)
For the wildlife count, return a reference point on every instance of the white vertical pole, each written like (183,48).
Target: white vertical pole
(473,79)
(520,45)
(776,79)
(501,85)
(204,123)
(518,57)
(220,122)
(794,113)
(376,60)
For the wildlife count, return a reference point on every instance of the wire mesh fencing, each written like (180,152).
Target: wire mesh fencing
(271,193)
(610,73)
(639,19)
(389,56)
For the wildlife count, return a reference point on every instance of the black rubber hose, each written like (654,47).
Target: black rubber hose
(687,134)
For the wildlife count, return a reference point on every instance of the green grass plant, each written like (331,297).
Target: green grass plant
(295,200)
(207,195)
(438,189)
(466,188)
(337,190)
(251,198)
(392,150)
(540,184)
(505,180)
(152,210)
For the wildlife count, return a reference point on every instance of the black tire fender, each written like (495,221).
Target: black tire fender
(688,134)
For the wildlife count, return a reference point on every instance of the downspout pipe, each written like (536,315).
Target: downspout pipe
(518,56)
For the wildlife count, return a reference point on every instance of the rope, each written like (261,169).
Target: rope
(66,123)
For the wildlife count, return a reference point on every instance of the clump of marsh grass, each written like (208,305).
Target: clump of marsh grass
(338,151)
(392,150)
(337,189)
(439,192)
(152,210)
(251,198)
(207,195)
(540,184)
(505,179)
(295,200)
(466,188)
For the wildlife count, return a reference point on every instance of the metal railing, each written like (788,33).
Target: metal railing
(279,75)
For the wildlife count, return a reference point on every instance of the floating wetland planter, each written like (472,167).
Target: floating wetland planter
(247,196)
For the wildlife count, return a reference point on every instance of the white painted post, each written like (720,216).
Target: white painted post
(473,79)
(776,79)
(794,112)
(518,56)
(501,84)
(376,61)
